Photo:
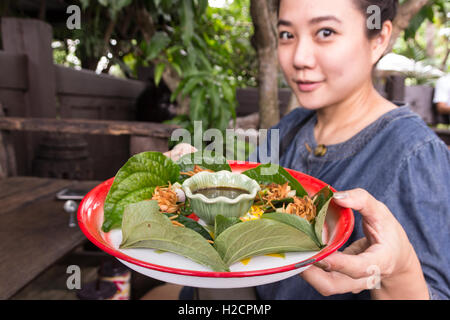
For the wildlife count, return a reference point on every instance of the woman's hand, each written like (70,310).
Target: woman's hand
(384,261)
(179,151)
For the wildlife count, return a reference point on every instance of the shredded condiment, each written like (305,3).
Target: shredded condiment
(167,199)
(302,207)
(197,169)
(176,223)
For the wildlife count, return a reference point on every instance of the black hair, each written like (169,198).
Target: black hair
(388,10)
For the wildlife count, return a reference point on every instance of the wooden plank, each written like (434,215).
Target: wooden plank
(87,82)
(34,235)
(84,126)
(15,66)
(27,194)
(20,184)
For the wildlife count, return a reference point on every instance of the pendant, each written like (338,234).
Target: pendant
(320,150)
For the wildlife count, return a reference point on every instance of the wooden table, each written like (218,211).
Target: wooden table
(34,230)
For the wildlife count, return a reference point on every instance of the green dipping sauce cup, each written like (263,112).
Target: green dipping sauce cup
(208,208)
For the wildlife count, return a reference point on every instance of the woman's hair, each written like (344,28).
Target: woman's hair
(388,10)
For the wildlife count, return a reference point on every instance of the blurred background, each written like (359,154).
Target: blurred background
(197,60)
(164,63)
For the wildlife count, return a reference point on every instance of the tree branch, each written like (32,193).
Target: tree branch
(406,12)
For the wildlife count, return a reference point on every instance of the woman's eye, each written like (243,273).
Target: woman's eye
(284,35)
(325,33)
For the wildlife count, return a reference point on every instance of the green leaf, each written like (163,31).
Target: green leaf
(221,223)
(323,199)
(177,91)
(136,181)
(135,215)
(215,99)
(191,224)
(190,85)
(159,72)
(187,20)
(197,105)
(280,176)
(294,221)
(259,237)
(228,92)
(157,44)
(146,227)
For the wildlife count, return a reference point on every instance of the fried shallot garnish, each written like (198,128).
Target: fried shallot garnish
(167,199)
(302,207)
(273,192)
(197,169)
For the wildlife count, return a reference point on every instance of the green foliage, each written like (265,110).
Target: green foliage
(415,43)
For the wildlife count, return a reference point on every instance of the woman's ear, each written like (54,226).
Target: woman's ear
(381,41)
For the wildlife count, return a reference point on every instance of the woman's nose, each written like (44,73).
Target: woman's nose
(304,55)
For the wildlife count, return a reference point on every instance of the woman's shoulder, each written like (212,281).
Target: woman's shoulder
(406,133)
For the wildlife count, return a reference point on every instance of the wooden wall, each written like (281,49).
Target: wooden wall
(32,86)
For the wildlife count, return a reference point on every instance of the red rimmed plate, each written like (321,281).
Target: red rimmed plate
(169,267)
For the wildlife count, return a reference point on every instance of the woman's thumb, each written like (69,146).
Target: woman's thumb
(361,201)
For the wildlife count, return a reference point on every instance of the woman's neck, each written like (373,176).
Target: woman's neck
(340,122)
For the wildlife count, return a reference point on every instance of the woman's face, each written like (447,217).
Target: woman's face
(323,50)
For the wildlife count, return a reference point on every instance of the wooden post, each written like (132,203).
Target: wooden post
(7,155)
(33,38)
(395,88)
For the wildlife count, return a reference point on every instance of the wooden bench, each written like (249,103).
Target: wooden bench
(34,228)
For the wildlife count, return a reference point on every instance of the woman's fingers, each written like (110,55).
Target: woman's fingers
(354,266)
(330,283)
(179,151)
(363,202)
(358,246)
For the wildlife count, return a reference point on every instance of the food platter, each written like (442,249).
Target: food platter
(173,268)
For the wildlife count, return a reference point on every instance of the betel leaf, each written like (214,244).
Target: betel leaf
(145,227)
(322,201)
(279,176)
(141,214)
(295,221)
(221,223)
(191,224)
(259,237)
(136,181)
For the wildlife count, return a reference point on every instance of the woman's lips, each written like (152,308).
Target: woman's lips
(308,86)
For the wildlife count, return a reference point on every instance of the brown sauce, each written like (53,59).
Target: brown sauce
(228,192)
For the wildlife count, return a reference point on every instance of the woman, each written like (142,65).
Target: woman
(395,170)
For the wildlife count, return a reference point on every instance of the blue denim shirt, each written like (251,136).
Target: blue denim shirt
(403,164)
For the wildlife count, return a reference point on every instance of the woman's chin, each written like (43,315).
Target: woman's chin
(311,105)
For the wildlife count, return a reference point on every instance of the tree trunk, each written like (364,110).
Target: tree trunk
(406,12)
(264,20)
